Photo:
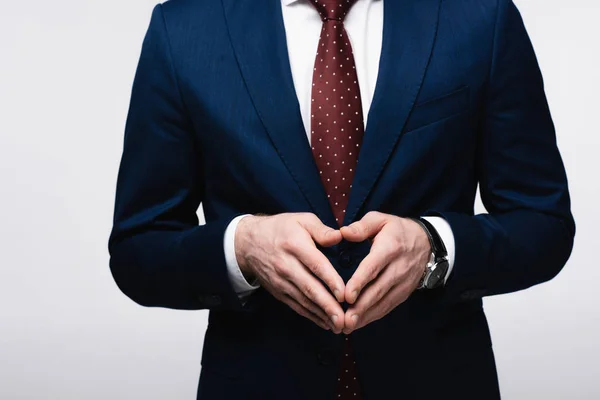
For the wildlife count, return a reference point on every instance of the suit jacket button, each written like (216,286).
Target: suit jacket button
(345,260)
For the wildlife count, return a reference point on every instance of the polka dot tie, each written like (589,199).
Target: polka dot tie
(337,130)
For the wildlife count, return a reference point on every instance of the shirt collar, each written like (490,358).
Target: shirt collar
(289,2)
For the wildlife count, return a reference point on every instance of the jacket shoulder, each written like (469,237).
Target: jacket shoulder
(477,17)
(180,9)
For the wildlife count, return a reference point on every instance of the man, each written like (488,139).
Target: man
(336,147)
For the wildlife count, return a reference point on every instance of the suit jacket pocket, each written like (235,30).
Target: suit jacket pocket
(439,108)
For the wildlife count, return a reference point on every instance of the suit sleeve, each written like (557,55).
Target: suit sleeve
(159,255)
(527,235)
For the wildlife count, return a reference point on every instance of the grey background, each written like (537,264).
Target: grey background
(66,332)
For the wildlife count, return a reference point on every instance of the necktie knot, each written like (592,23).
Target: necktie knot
(333,9)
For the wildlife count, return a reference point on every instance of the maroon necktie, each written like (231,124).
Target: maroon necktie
(337,130)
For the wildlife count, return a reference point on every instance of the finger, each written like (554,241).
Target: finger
(299,309)
(369,268)
(396,296)
(371,296)
(316,292)
(320,266)
(365,228)
(289,294)
(293,292)
(320,232)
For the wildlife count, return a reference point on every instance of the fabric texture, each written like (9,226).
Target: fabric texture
(214,119)
(364,25)
(337,129)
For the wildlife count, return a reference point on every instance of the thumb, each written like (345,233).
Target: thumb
(368,227)
(321,233)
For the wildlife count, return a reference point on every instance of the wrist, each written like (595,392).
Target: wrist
(243,242)
(424,244)
(424,238)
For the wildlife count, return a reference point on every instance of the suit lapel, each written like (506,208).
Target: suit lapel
(258,37)
(409,32)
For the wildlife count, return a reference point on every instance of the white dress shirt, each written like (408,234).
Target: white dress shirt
(364,24)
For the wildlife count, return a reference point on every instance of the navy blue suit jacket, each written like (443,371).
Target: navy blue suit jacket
(214,119)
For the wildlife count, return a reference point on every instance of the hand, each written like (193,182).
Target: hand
(280,252)
(391,271)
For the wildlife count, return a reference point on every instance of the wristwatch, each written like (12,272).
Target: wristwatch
(438,264)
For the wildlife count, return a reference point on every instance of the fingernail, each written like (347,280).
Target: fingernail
(355,319)
(336,293)
(354,294)
(334,318)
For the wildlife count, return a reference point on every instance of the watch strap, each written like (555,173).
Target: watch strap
(437,244)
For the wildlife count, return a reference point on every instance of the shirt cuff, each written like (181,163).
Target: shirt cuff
(445,231)
(236,277)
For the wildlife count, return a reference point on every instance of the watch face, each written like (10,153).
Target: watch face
(436,278)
